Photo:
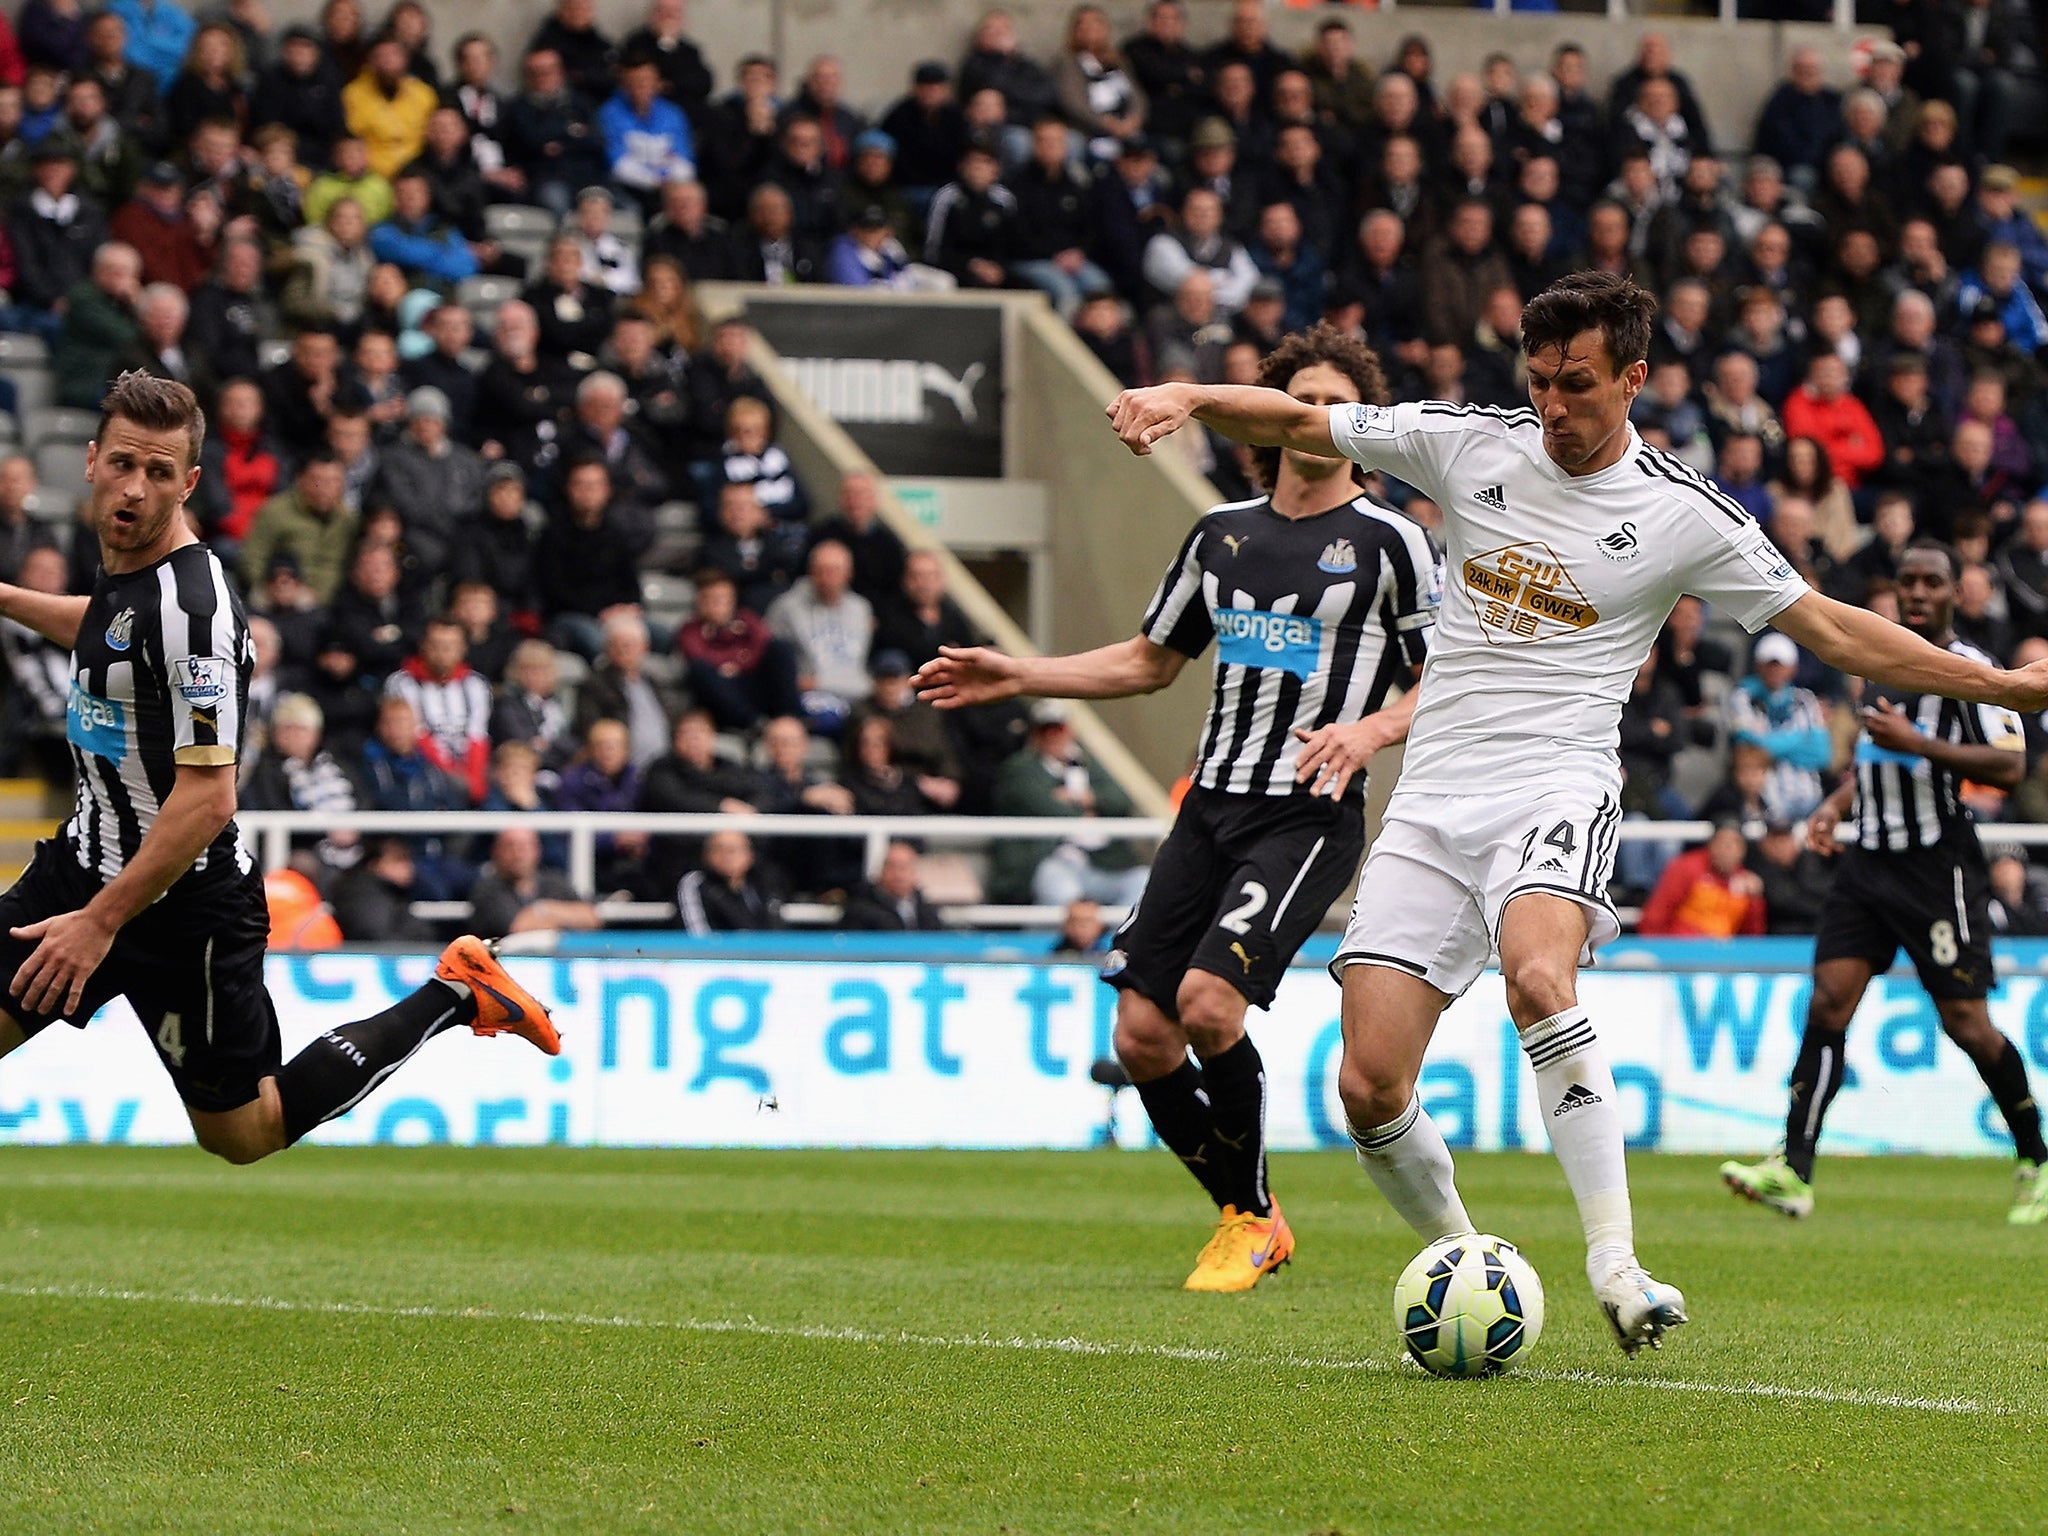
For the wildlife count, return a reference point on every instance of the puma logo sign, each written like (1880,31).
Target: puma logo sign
(959,391)
(1235,541)
(1237,949)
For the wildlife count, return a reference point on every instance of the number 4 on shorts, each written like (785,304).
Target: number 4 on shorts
(1559,837)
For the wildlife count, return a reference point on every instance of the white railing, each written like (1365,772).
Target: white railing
(270,832)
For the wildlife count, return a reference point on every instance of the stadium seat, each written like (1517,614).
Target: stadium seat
(502,220)
(533,247)
(18,348)
(627,224)
(485,292)
(60,472)
(54,510)
(271,353)
(58,424)
(10,434)
(34,385)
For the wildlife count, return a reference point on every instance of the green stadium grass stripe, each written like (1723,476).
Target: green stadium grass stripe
(1018,1343)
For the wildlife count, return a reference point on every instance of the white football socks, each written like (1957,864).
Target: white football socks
(1576,1091)
(1408,1161)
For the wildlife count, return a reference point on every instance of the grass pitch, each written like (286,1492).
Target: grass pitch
(617,1342)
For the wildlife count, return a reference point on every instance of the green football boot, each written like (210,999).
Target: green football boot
(2029,1196)
(1772,1182)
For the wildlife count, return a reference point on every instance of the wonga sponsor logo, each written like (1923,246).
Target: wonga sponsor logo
(1252,637)
(96,725)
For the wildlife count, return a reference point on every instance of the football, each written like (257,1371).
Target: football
(1468,1306)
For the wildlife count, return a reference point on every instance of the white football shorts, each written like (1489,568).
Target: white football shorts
(1445,866)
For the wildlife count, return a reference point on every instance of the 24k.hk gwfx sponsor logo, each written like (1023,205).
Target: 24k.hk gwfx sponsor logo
(1523,594)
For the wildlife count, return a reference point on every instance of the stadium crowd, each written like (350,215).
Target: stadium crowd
(446,506)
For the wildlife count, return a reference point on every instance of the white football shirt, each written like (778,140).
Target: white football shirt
(1556,586)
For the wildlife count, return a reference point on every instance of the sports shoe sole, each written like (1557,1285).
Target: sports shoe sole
(1650,1330)
(483,974)
(1796,1210)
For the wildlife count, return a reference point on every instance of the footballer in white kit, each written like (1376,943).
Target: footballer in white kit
(1555,588)
(1570,540)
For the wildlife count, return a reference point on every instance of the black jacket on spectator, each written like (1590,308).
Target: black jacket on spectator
(709,905)
(1027,86)
(796,258)
(706,257)
(585,570)
(525,411)
(50,259)
(1121,231)
(816,198)
(712,392)
(670,784)
(458,190)
(372,910)
(225,327)
(877,555)
(449,376)
(761,569)
(1794,895)
(309,105)
(381,636)
(570,322)
(972,226)
(928,145)
(555,139)
(587,56)
(1051,213)
(869,911)
(501,555)
(685,77)
(289,411)
(1174,83)
(898,628)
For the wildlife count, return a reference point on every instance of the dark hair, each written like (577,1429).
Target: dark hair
(1932,546)
(155,405)
(1320,343)
(1823,472)
(713,576)
(1591,301)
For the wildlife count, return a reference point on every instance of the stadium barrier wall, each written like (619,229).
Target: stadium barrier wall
(751,1051)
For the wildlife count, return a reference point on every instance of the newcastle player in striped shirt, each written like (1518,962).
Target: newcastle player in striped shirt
(1911,876)
(146,892)
(1319,602)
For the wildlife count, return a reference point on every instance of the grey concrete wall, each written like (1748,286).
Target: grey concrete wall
(1733,67)
(1117,522)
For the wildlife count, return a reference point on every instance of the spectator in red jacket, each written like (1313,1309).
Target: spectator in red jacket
(738,669)
(1822,408)
(175,235)
(453,704)
(1707,893)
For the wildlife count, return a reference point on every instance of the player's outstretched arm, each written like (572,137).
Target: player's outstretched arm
(70,946)
(1245,413)
(962,675)
(55,617)
(1857,641)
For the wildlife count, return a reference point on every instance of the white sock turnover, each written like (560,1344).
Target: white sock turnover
(1576,1090)
(1408,1161)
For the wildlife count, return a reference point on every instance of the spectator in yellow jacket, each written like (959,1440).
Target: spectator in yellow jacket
(388,109)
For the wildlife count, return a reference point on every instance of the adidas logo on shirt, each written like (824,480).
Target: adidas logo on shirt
(1578,1096)
(1493,496)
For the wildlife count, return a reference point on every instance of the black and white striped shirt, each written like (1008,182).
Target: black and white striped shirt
(1315,619)
(159,677)
(1905,802)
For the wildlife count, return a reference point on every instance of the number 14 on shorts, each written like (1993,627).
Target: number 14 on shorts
(1536,841)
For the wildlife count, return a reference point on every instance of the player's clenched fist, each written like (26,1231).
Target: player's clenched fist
(1143,416)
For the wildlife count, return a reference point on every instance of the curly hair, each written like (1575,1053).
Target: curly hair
(155,405)
(1320,343)
(1591,301)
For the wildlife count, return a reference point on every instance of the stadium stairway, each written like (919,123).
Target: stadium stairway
(27,815)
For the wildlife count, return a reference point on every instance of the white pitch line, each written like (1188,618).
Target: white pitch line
(1019,1343)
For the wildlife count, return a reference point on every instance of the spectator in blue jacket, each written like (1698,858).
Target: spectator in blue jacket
(1787,721)
(2000,218)
(418,241)
(1998,279)
(868,255)
(646,136)
(1799,122)
(159,34)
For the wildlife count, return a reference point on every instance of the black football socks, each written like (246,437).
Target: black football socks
(1182,1115)
(345,1065)
(1816,1079)
(2006,1076)
(1236,1083)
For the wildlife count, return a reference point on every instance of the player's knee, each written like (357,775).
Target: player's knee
(234,1149)
(1373,1091)
(1830,1007)
(1211,1012)
(1147,1042)
(1540,985)
(1973,1030)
